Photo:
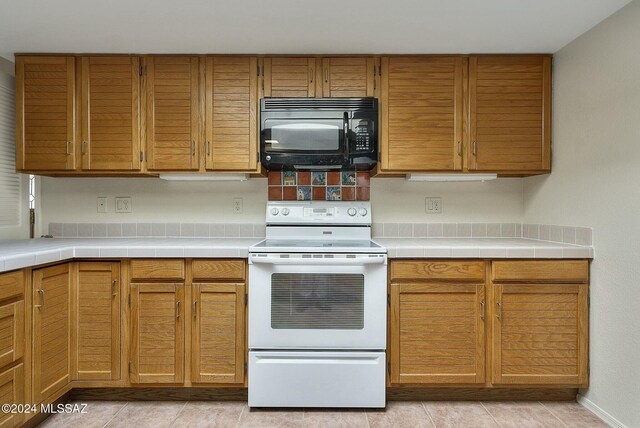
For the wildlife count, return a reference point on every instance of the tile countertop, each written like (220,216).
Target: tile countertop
(16,254)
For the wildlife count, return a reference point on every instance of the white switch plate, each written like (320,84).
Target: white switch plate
(123,204)
(237,205)
(433,205)
(102,204)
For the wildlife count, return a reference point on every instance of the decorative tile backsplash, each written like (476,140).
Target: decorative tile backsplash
(319,186)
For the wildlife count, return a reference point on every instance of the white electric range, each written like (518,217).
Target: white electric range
(317,308)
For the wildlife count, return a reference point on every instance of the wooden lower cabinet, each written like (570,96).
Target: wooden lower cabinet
(97,331)
(51,330)
(439,333)
(540,334)
(218,333)
(11,332)
(437,316)
(532,315)
(12,392)
(157,335)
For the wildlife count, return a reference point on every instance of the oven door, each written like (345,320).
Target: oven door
(317,302)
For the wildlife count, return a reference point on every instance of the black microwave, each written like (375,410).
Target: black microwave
(318,133)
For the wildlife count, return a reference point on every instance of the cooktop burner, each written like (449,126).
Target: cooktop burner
(304,245)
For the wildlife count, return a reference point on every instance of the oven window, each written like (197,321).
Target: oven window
(306,301)
(304,135)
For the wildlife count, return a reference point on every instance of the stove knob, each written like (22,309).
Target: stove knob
(285,211)
(274,211)
(363,211)
(351,211)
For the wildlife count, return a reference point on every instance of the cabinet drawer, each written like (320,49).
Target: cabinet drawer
(11,284)
(12,326)
(540,271)
(12,386)
(218,269)
(146,269)
(437,270)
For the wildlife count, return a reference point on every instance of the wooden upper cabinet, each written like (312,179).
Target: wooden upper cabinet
(218,351)
(110,113)
(231,113)
(288,77)
(348,77)
(157,338)
(172,113)
(45,113)
(421,108)
(97,334)
(51,330)
(540,334)
(510,112)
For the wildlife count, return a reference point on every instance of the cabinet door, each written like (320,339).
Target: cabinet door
(289,77)
(157,348)
(45,106)
(110,113)
(218,333)
(437,333)
(98,321)
(422,113)
(12,392)
(11,332)
(231,113)
(348,77)
(540,334)
(51,330)
(510,113)
(173,104)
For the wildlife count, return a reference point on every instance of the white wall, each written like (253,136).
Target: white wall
(155,200)
(21,231)
(596,182)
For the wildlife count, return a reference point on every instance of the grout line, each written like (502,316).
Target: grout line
(116,414)
(246,406)
(487,410)
(173,421)
(428,413)
(553,414)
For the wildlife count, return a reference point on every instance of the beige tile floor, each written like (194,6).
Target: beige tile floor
(158,414)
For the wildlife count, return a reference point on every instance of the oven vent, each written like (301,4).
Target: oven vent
(319,103)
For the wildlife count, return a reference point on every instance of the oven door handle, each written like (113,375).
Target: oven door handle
(318,261)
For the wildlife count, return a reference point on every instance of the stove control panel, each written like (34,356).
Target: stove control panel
(323,212)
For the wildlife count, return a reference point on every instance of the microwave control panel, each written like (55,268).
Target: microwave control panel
(362,129)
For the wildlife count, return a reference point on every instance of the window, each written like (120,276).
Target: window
(10,209)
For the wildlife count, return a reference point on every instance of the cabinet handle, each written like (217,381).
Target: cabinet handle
(475,148)
(208,148)
(482,312)
(195,303)
(41,292)
(459,148)
(326,75)
(311,75)
(178,309)
(83,147)
(113,287)
(499,310)
(193,147)
(68,148)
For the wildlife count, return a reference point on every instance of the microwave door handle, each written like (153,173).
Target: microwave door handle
(345,123)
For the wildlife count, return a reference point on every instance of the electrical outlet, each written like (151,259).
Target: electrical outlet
(102,204)
(237,205)
(433,205)
(123,204)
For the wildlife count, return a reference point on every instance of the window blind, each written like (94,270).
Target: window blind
(9,179)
